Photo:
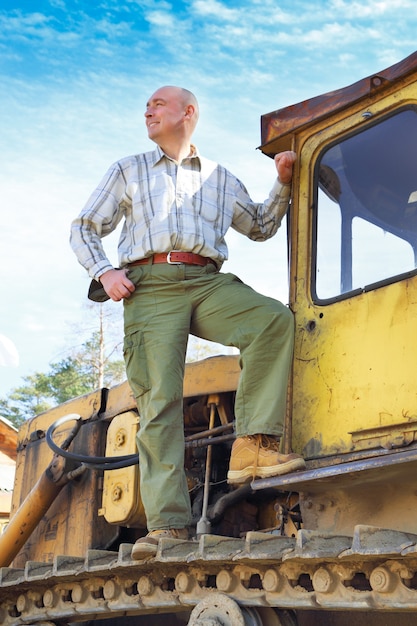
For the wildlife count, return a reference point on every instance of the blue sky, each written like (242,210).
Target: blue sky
(75,77)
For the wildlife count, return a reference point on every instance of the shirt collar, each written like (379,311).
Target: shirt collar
(158,154)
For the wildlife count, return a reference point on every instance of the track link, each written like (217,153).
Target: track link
(374,569)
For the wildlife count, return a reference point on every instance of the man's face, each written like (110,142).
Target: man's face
(165,114)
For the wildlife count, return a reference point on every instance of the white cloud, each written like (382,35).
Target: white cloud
(9,356)
(371,9)
(72,101)
(26,27)
(214,8)
(330,35)
(160,18)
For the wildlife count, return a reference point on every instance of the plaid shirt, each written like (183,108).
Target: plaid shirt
(169,206)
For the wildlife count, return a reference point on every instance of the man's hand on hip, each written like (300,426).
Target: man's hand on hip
(117,285)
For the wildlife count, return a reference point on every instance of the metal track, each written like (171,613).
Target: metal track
(374,569)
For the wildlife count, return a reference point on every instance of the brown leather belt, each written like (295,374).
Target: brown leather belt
(175,257)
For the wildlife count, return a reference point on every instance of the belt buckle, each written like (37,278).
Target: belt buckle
(173,262)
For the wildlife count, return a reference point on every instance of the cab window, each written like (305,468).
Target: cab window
(365,227)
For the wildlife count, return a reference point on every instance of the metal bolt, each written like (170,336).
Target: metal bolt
(145,586)
(184,582)
(120,438)
(78,594)
(21,603)
(49,599)
(225,581)
(382,580)
(323,580)
(271,581)
(117,494)
(110,590)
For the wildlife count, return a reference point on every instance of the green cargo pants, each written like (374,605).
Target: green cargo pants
(170,302)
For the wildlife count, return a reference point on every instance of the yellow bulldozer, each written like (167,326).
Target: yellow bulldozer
(330,545)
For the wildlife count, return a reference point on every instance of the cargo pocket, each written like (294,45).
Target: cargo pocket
(134,354)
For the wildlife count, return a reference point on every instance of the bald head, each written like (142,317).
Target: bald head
(189,98)
(183,97)
(171,117)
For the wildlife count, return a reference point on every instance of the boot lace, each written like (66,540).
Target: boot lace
(267,442)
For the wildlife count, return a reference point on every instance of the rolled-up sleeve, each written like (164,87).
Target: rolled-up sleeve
(260,221)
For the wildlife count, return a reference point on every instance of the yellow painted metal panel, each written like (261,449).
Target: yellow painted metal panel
(352,368)
(86,406)
(212,375)
(355,359)
(121,498)
(70,526)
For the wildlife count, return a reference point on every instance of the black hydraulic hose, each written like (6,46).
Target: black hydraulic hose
(216,511)
(93,462)
(117,462)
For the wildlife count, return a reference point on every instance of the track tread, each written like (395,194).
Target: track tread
(375,568)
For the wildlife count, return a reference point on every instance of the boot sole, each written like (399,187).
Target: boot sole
(144,550)
(148,546)
(247,474)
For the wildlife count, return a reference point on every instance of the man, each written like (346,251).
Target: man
(177,207)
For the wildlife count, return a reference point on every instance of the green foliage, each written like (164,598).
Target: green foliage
(10,412)
(85,370)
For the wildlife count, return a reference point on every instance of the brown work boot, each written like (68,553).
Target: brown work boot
(258,456)
(147,546)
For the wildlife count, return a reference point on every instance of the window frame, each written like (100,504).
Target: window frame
(346,231)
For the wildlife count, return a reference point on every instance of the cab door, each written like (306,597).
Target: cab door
(353,281)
